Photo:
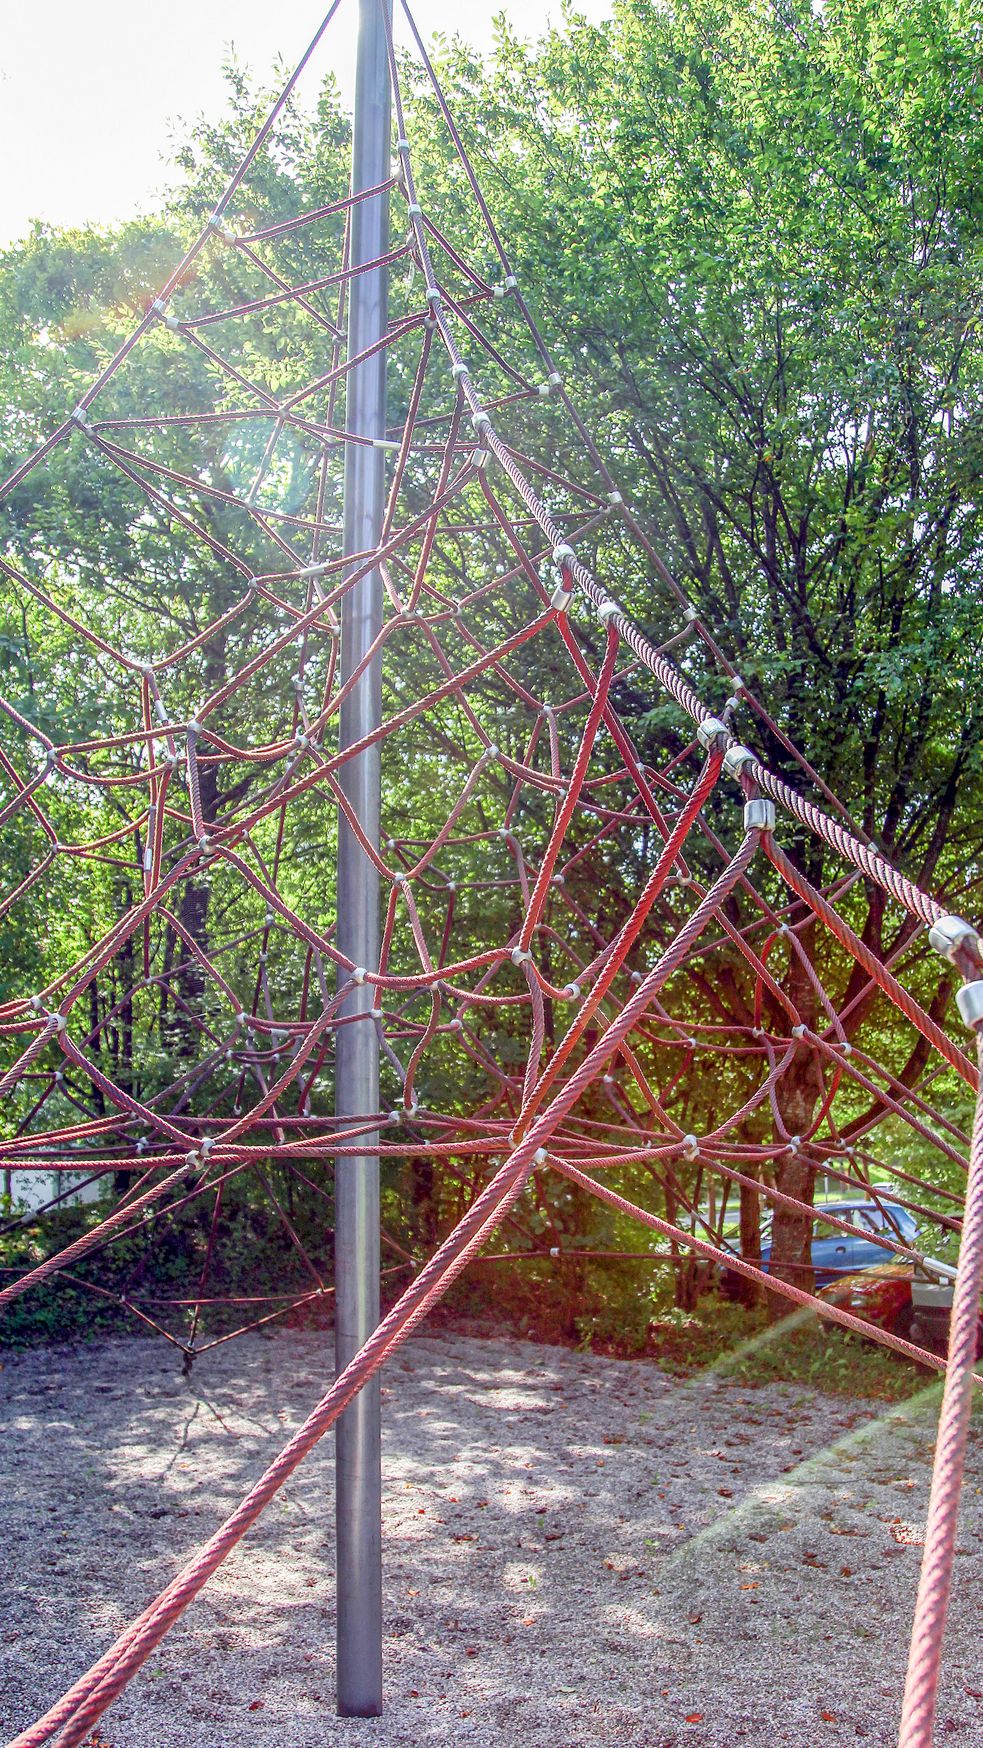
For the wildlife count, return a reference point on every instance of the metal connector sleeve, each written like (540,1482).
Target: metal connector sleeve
(709,732)
(735,759)
(759,815)
(969,1001)
(948,934)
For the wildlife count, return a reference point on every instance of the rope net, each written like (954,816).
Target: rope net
(597,960)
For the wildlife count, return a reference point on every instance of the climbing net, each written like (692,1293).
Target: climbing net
(588,914)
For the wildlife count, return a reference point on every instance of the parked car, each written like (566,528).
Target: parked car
(880,1295)
(836,1253)
(913,1301)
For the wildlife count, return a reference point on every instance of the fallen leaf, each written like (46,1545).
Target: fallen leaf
(694,1718)
(828,1717)
(256,1705)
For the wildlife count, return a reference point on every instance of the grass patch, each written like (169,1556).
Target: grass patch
(614,1315)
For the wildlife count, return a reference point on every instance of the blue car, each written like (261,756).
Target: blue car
(835,1253)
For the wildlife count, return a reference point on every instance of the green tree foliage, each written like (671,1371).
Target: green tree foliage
(753,235)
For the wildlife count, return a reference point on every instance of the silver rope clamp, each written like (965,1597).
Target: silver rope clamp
(759,815)
(606,609)
(561,598)
(563,554)
(520,956)
(949,933)
(540,1156)
(481,420)
(614,499)
(503,290)
(969,1001)
(709,732)
(219,228)
(736,758)
(690,1146)
(414,211)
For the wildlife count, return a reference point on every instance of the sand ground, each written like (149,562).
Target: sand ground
(577,1550)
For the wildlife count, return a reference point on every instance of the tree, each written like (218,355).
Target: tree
(753,234)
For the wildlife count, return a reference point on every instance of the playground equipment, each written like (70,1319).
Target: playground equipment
(435,594)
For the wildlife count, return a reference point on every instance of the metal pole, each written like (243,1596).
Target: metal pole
(358,1470)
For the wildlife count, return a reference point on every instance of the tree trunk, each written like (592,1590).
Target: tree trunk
(193,912)
(746,1291)
(797,1095)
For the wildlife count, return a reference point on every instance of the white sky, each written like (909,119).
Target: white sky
(92,94)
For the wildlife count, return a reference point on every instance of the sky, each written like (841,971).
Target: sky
(92,95)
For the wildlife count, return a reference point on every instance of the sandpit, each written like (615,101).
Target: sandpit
(578,1550)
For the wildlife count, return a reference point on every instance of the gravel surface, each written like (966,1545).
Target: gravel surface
(578,1550)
